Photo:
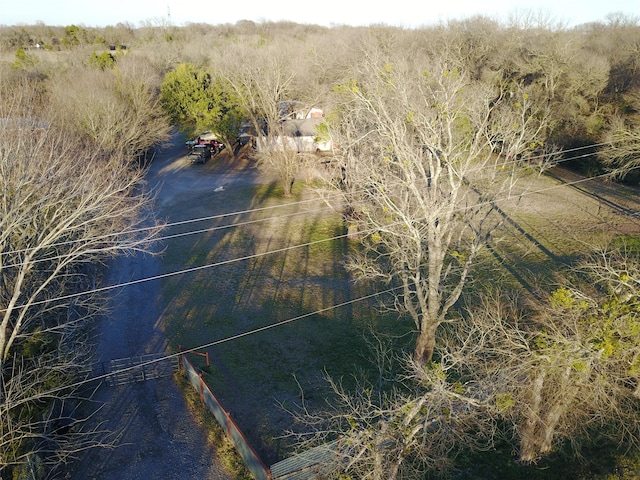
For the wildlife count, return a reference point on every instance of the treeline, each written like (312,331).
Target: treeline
(588,75)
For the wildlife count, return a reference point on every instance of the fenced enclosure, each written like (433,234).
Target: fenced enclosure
(305,466)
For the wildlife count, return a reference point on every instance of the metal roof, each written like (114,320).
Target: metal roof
(311,464)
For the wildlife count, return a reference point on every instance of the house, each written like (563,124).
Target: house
(298,131)
(300,135)
(297,111)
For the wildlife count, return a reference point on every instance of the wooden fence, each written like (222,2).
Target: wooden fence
(309,465)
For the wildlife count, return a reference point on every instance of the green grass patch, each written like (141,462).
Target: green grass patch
(326,237)
(630,244)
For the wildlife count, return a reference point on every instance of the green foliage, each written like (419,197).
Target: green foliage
(71,36)
(196,101)
(562,298)
(102,60)
(227,116)
(504,402)
(24,60)
(627,467)
(322,132)
(186,96)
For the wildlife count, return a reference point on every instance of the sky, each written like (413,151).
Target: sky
(403,13)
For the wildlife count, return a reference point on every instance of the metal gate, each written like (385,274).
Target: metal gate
(140,368)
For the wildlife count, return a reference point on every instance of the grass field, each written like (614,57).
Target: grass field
(248,289)
(255,373)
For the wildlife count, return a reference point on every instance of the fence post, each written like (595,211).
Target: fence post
(228,424)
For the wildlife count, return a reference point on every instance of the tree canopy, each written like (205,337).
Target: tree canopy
(198,101)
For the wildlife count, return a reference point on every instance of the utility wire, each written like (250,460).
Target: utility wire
(284,249)
(337,195)
(239,335)
(181,222)
(250,332)
(172,274)
(190,232)
(242,212)
(213,343)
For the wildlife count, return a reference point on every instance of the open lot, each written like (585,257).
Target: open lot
(261,267)
(244,288)
(254,259)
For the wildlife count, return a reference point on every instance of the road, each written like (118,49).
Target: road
(155,436)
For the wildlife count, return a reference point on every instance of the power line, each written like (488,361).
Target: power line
(260,329)
(174,224)
(242,212)
(216,342)
(190,232)
(171,274)
(220,216)
(283,249)
(249,332)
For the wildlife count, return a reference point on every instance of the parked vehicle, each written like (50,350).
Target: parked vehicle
(199,154)
(215,146)
(203,137)
(207,139)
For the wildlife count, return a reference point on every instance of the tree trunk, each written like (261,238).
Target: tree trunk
(287,186)
(425,345)
(528,431)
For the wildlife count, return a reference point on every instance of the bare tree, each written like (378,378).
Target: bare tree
(621,153)
(420,175)
(566,369)
(263,81)
(112,112)
(421,423)
(41,396)
(64,209)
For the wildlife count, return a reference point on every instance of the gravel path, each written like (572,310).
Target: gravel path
(157,436)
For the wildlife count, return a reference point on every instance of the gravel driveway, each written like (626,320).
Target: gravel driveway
(157,436)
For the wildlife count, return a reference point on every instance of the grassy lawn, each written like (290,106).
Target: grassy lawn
(269,269)
(254,373)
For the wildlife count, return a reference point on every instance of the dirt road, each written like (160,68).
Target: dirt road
(156,435)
